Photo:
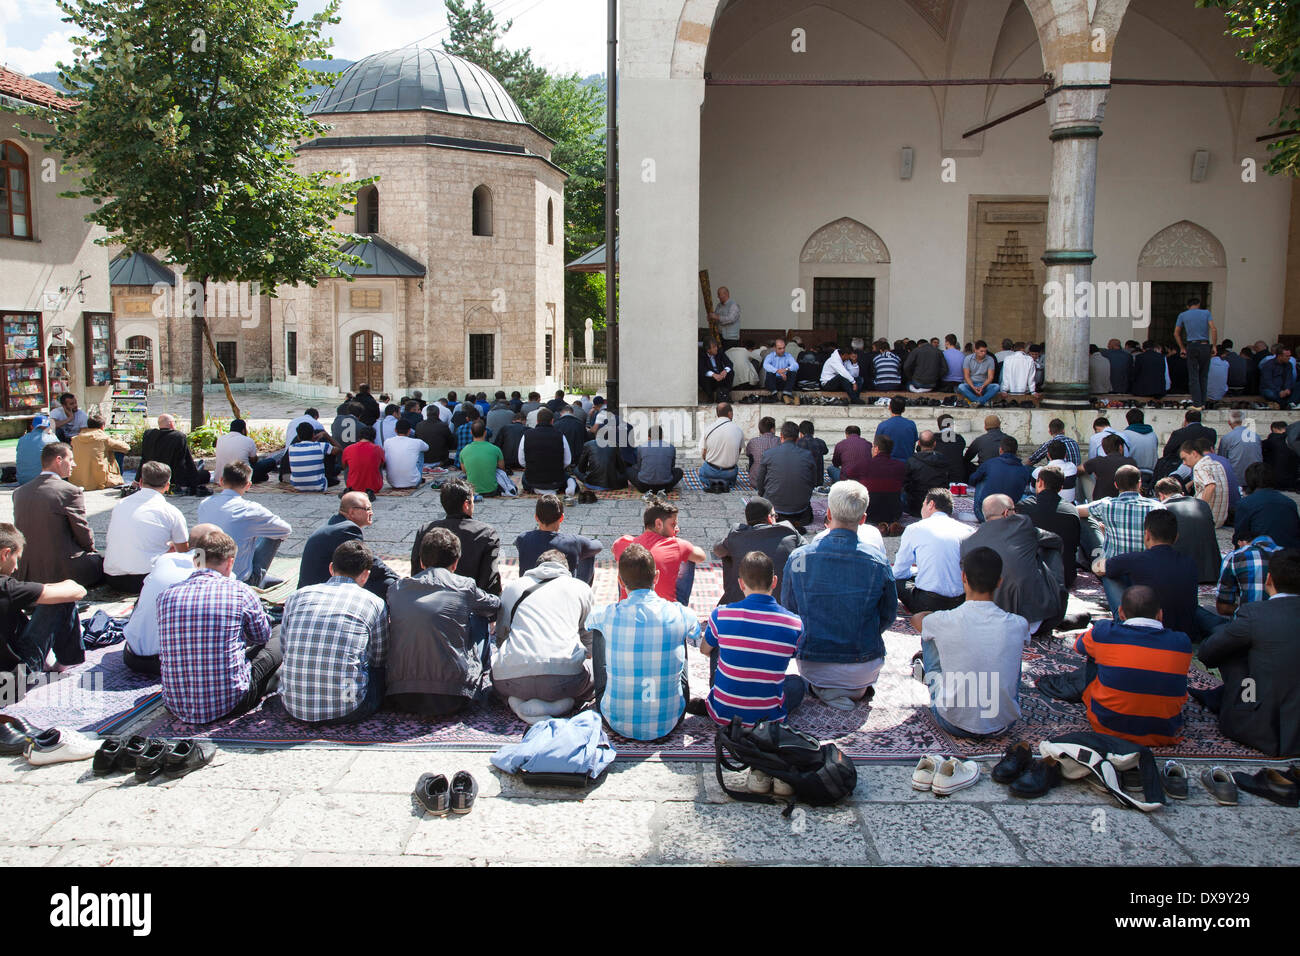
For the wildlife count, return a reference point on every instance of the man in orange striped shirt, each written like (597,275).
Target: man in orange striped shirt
(1137,672)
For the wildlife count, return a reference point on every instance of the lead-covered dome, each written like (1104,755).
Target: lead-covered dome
(413,79)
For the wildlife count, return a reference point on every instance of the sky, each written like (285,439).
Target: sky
(565,35)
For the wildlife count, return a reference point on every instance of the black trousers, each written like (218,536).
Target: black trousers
(800,520)
(149,664)
(266,661)
(126,583)
(640,485)
(915,599)
(711,386)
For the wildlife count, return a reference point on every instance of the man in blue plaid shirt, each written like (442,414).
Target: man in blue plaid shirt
(1056,429)
(639,655)
(335,640)
(464,436)
(1241,579)
(215,649)
(1123,515)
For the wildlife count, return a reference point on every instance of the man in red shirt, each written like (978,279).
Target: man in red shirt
(364,459)
(883,475)
(669,551)
(848,462)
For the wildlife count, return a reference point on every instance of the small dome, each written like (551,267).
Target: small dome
(413,79)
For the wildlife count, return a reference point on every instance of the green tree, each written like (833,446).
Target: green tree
(189,113)
(1270,34)
(476,35)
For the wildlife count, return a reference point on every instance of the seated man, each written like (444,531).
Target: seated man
(977,369)
(234,445)
(433,431)
(354,514)
(68,419)
(335,641)
(140,650)
(926,469)
(1057,458)
(759,532)
(142,527)
(845,594)
(544,455)
(720,448)
(901,429)
(1136,673)
(1242,575)
(675,557)
(1047,511)
(257,532)
(1169,574)
(927,570)
(217,656)
(1121,517)
(570,421)
(639,652)
(172,448)
(1209,478)
(97,453)
(310,455)
(850,457)
(1259,658)
(364,461)
(883,476)
(749,644)
(510,435)
(50,511)
(403,456)
(480,545)
(579,551)
(1033,576)
(656,464)
(779,371)
(1280,458)
(1056,432)
(837,375)
(436,659)
(785,476)
(480,461)
(541,666)
(970,655)
(814,446)
(1196,537)
(1103,468)
(765,439)
(715,373)
(1265,510)
(42,434)
(1143,443)
(1003,475)
(20,644)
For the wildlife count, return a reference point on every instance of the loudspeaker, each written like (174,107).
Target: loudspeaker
(1200,165)
(907,161)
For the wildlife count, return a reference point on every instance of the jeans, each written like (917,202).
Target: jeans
(841,384)
(1114,589)
(367,707)
(1208,622)
(1274,395)
(263,553)
(710,473)
(54,626)
(685,582)
(1198,370)
(969,393)
(832,473)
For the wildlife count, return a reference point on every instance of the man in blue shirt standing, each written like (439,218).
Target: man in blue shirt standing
(779,370)
(1196,334)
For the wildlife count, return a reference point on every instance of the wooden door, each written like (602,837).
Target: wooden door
(368,361)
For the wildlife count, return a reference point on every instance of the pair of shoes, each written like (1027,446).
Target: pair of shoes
(1018,758)
(439,797)
(16,735)
(59,746)
(1271,785)
(172,758)
(1029,776)
(760,782)
(1222,786)
(944,775)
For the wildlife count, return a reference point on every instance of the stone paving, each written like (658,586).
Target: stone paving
(327,806)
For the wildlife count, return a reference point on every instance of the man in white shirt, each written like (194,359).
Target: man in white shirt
(720,448)
(837,376)
(256,531)
(1100,429)
(234,446)
(142,527)
(311,417)
(1019,372)
(140,652)
(933,546)
(402,457)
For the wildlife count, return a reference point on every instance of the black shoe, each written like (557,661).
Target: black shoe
(1018,758)
(432,791)
(1271,785)
(1039,779)
(464,788)
(696,706)
(187,755)
(1130,781)
(150,763)
(16,735)
(107,756)
(1175,780)
(133,749)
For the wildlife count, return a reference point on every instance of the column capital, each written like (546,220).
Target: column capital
(1068,257)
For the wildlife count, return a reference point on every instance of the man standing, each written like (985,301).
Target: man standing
(727,315)
(927,569)
(1196,335)
(335,641)
(779,370)
(979,387)
(785,475)
(141,528)
(354,514)
(760,532)
(715,374)
(257,532)
(846,597)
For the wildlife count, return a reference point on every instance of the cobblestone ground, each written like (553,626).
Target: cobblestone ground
(321,806)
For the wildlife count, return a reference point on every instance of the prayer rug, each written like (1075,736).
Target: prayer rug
(97,696)
(692,481)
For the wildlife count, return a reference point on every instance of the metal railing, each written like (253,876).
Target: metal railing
(585,375)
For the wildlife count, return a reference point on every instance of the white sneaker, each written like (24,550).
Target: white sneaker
(781,789)
(758,782)
(923,775)
(60,746)
(954,775)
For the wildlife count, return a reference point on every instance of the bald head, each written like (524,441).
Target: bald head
(199,535)
(997,506)
(926,440)
(353,500)
(166,421)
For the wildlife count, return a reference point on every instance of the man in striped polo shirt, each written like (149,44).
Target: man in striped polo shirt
(1137,672)
(749,644)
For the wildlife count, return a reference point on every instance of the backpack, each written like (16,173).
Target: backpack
(819,773)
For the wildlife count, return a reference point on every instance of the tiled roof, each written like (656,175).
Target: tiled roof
(22,87)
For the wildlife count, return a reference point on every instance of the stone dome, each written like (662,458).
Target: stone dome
(411,79)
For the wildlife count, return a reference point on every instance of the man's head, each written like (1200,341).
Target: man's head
(1135,416)
(391,411)
(897,406)
(851,431)
(725,410)
(1056,427)
(807,429)
(554,556)
(981,573)
(1159,527)
(305,431)
(1050,480)
(759,511)
(1100,423)
(69,402)
(925,441)
(846,504)
(723,293)
(1258,475)
(404,427)
(366,433)
(237,476)
(756,574)
(545,416)
(789,431)
(355,507)
(457,498)
(1278,428)
(57,457)
(1112,444)
(1008,445)
(1008,345)
(1168,488)
(1283,571)
(1140,601)
(1194,302)
(711,347)
(661,518)
(478,431)
(166,422)
(1192,415)
(1113,344)
(1056,451)
(882,445)
(352,559)
(239,426)
(439,548)
(636,568)
(471,412)
(998,506)
(937,499)
(1127,478)
(1190,453)
(11,548)
(219,551)
(981,350)
(779,347)
(991,423)
(766,424)
(155,475)
(549,512)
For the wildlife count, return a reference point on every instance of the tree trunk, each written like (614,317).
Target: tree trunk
(198,326)
(221,369)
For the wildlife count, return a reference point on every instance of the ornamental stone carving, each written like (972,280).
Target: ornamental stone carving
(844,241)
(1184,245)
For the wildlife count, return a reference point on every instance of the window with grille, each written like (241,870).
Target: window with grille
(550,353)
(482,357)
(848,306)
(291,352)
(227,355)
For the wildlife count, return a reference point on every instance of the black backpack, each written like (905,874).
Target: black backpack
(819,773)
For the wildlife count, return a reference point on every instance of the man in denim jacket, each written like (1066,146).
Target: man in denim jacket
(846,597)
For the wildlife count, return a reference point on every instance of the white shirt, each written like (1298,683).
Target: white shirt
(869,535)
(1094,443)
(387,428)
(232,447)
(60,417)
(142,629)
(291,432)
(721,444)
(1018,373)
(142,527)
(980,648)
(934,546)
(402,460)
(1069,470)
(444,413)
(835,366)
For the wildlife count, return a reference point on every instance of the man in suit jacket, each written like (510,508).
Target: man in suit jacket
(172,448)
(1047,511)
(354,514)
(1196,537)
(1033,577)
(715,374)
(1259,658)
(1192,429)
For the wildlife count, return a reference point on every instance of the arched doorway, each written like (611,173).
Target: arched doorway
(1182,261)
(368,360)
(144,344)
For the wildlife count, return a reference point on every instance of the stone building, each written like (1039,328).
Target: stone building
(463,282)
